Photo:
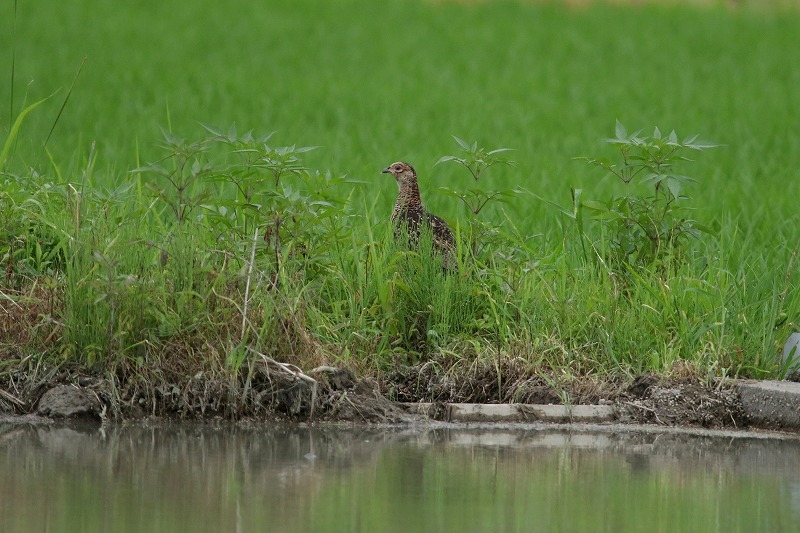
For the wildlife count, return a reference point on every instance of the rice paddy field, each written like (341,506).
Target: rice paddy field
(148,237)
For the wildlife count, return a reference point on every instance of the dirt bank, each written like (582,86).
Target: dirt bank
(278,392)
(680,399)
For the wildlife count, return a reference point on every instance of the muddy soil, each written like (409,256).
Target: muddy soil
(266,393)
(277,392)
(678,400)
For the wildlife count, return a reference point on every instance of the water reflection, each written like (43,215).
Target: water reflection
(190,478)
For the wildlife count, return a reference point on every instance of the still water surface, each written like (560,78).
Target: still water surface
(191,478)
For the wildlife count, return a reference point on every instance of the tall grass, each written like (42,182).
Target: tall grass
(228,241)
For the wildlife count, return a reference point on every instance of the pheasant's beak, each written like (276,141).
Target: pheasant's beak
(386,171)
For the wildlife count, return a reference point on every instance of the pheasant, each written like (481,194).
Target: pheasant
(409,213)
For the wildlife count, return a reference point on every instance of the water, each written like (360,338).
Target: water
(298,479)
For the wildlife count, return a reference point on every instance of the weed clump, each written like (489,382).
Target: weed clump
(644,229)
(216,278)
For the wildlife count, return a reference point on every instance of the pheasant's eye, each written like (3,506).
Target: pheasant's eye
(398,168)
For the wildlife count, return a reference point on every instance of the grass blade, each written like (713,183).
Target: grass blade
(66,99)
(12,134)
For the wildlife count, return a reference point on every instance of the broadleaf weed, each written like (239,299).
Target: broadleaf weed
(654,227)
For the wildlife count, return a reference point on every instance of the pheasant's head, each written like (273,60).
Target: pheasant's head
(403,173)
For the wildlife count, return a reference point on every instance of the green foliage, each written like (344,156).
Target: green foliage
(173,266)
(181,193)
(239,244)
(477,160)
(256,254)
(653,227)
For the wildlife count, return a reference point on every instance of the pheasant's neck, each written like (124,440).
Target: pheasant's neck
(408,197)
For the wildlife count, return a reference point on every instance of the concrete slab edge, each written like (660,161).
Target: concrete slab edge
(767,404)
(514,412)
(771,404)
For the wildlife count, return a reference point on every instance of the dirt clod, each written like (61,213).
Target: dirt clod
(684,403)
(641,385)
(67,401)
(340,378)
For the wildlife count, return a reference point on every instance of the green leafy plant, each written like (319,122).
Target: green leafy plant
(267,212)
(477,160)
(176,186)
(499,256)
(653,227)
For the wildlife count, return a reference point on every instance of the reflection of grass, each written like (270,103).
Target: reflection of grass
(185,479)
(145,273)
(568,489)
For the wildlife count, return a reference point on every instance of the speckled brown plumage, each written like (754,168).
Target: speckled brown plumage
(409,213)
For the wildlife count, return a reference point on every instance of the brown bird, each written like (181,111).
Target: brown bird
(409,213)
